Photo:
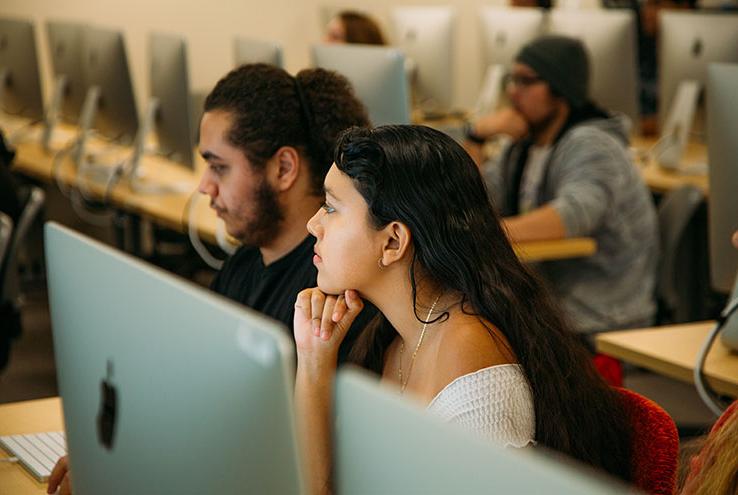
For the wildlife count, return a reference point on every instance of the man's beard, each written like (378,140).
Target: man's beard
(267,221)
(542,125)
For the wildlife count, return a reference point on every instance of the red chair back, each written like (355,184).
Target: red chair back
(655,444)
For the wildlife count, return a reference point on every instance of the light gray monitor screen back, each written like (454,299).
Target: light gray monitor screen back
(387,444)
(65,41)
(377,75)
(170,85)
(426,36)
(688,42)
(197,389)
(248,51)
(21,94)
(722,152)
(505,30)
(610,39)
(106,66)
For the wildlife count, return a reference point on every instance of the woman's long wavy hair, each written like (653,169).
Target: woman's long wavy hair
(422,178)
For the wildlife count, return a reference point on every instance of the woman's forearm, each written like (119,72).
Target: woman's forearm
(314,408)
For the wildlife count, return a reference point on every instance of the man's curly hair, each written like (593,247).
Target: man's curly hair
(267,113)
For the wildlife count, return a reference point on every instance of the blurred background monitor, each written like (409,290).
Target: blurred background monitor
(169,78)
(377,75)
(249,51)
(722,149)
(505,30)
(65,41)
(688,42)
(426,36)
(610,38)
(20,84)
(105,66)
(386,444)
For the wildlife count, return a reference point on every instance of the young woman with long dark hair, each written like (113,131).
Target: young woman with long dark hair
(464,328)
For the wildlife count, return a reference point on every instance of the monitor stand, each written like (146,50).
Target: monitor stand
(489,95)
(136,177)
(669,149)
(52,115)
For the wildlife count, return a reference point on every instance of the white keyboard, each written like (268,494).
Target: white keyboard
(37,452)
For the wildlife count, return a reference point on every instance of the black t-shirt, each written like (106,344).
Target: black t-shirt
(272,289)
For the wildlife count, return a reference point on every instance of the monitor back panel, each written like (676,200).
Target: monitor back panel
(195,387)
(387,444)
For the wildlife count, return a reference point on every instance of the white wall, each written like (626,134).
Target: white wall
(210,26)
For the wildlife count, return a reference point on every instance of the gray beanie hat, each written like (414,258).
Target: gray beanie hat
(563,63)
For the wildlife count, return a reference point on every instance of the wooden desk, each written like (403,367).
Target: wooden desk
(672,351)
(170,210)
(660,180)
(26,417)
(575,247)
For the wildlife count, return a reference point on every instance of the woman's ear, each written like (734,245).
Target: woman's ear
(397,243)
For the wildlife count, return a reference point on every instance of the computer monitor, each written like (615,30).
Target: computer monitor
(249,51)
(377,74)
(20,84)
(688,42)
(105,67)
(166,387)
(386,444)
(505,30)
(722,151)
(170,93)
(610,39)
(426,36)
(65,41)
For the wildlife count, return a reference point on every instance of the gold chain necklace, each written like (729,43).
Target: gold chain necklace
(403,384)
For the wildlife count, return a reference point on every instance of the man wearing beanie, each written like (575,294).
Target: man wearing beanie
(568,173)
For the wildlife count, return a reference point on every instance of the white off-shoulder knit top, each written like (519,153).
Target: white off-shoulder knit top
(494,403)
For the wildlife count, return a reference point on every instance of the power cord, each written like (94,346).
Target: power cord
(194,236)
(708,396)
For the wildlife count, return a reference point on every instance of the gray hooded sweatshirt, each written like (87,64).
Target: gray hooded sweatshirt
(592,183)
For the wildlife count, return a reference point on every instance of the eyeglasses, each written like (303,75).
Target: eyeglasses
(520,80)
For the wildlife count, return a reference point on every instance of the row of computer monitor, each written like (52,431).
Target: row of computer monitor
(84,56)
(688,42)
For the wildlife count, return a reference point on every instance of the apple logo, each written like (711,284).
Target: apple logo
(697,48)
(108,410)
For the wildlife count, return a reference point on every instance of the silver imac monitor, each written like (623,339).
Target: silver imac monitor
(170,89)
(105,66)
(386,444)
(377,74)
(65,41)
(166,387)
(250,51)
(688,42)
(610,39)
(722,151)
(426,36)
(505,30)
(20,84)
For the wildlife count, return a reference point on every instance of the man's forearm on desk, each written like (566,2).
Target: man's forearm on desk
(542,224)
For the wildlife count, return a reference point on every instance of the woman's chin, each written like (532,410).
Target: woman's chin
(326,287)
